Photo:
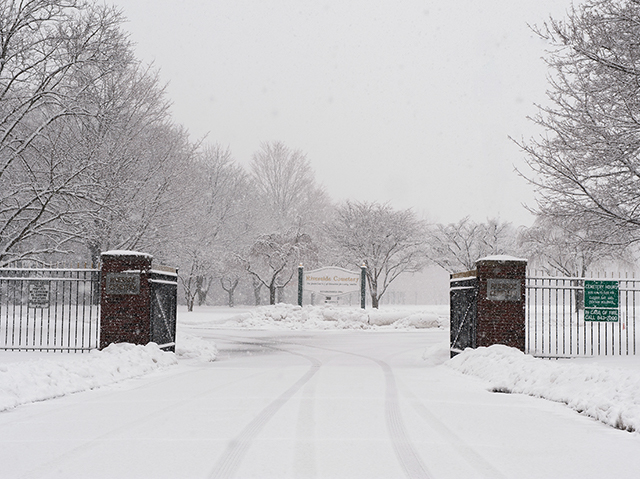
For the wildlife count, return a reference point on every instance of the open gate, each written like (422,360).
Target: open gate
(463,299)
(164,293)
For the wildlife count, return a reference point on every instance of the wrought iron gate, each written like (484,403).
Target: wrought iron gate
(49,309)
(164,293)
(463,300)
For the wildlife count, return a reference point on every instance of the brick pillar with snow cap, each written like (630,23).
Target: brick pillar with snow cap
(501,301)
(125,298)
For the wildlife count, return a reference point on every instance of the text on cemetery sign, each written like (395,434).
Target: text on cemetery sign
(332,281)
(601,298)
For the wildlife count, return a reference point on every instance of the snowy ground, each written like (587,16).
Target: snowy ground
(372,394)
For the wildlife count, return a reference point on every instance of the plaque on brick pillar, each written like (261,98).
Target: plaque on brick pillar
(125,302)
(501,301)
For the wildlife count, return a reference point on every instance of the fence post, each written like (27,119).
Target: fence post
(501,301)
(125,308)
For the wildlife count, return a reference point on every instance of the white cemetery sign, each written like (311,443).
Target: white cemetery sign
(332,281)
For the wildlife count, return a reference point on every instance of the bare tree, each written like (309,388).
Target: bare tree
(231,273)
(587,165)
(286,187)
(457,246)
(387,241)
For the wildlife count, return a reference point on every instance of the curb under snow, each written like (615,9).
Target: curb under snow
(42,379)
(610,395)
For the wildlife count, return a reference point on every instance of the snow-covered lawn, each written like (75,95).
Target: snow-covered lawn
(287,316)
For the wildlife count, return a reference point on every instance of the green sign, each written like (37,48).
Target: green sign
(601,299)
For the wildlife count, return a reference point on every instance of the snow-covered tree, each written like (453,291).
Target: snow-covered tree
(218,223)
(389,242)
(290,208)
(587,163)
(141,192)
(570,247)
(52,52)
(273,259)
(457,246)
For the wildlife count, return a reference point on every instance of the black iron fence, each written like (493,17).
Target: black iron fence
(48,309)
(556,323)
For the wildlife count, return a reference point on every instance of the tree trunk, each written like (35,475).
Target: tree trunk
(204,292)
(188,295)
(190,301)
(200,291)
(374,300)
(230,290)
(272,294)
(94,249)
(230,301)
(257,286)
(280,293)
(373,291)
(580,292)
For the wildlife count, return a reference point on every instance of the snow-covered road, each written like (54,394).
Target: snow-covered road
(305,404)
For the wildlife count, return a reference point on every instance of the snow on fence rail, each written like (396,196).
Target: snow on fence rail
(556,325)
(49,309)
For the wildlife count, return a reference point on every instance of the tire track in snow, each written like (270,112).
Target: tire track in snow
(405,452)
(407,456)
(230,460)
(477,462)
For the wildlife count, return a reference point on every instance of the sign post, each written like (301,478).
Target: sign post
(601,299)
(300,282)
(363,286)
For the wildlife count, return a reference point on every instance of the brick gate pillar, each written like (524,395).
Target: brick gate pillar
(125,306)
(501,301)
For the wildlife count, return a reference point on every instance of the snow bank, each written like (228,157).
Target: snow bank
(24,382)
(37,380)
(610,395)
(193,347)
(288,316)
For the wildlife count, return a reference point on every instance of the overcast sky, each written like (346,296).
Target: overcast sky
(400,101)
